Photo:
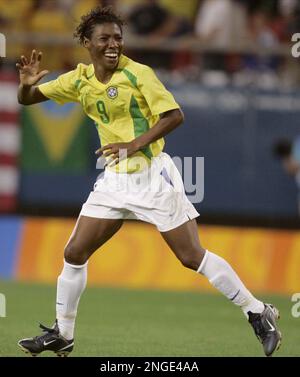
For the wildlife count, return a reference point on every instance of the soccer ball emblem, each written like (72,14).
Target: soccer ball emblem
(112,92)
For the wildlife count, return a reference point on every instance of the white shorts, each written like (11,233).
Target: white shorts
(155,195)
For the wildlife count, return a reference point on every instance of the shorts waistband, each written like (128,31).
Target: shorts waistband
(154,160)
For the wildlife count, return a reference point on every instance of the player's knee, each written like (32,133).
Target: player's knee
(189,262)
(74,255)
(192,260)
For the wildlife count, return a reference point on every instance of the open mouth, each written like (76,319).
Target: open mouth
(111,56)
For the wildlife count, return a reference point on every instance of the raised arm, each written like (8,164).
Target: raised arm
(30,74)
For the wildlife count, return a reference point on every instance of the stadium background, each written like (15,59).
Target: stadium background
(238,86)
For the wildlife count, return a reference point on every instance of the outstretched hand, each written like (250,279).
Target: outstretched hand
(30,72)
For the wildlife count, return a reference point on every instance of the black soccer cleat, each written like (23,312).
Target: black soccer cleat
(265,328)
(50,340)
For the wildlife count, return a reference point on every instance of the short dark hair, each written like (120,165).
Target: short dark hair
(96,16)
(282,148)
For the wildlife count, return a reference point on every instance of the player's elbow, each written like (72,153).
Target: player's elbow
(20,100)
(178,117)
(23,101)
(173,118)
(181,116)
(26,102)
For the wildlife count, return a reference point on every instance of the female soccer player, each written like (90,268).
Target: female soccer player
(133,111)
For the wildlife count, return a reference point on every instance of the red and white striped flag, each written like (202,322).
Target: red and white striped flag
(9,141)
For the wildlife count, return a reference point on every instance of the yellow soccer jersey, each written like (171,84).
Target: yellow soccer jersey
(123,109)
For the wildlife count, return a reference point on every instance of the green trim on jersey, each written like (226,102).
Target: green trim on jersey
(131,77)
(77,83)
(140,124)
(89,77)
(141,99)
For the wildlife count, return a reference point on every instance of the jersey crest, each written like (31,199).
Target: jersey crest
(112,92)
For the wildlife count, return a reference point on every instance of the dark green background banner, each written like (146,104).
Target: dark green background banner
(55,143)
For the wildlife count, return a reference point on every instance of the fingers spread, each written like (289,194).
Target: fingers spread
(33,57)
(39,58)
(24,60)
(43,73)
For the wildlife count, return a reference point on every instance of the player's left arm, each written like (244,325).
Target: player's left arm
(167,123)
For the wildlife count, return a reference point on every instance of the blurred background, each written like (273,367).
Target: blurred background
(229,65)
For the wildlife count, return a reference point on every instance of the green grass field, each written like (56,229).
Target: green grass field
(119,322)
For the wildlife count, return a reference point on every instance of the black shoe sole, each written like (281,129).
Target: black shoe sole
(25,350)
(58,353)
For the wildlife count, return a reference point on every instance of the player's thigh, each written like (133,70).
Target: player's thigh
(185,244)
(89,234)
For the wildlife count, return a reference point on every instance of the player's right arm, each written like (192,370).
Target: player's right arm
(30,74)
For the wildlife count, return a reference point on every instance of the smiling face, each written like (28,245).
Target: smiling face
(105,45)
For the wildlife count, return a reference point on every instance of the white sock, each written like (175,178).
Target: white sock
(222,276)
(70,285)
